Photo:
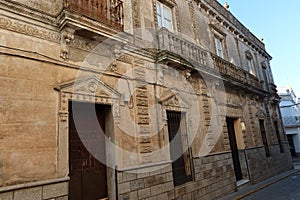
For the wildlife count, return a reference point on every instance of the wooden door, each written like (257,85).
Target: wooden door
(88,179)
(181,161)
(264,136)
(234,149)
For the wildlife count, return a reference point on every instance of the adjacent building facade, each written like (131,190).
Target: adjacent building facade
(110,99)
(290,110)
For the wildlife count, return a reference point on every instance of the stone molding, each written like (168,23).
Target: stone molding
(33,184)
(145,166)
(29,29)
(89,89)
(226,19)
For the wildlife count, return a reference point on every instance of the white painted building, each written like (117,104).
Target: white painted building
(290,110)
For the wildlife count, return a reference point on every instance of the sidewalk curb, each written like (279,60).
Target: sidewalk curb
(266,185)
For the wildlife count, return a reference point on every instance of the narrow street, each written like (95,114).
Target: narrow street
(286,189)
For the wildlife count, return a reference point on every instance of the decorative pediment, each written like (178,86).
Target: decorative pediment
(91,86)
(260,114)
(172,99)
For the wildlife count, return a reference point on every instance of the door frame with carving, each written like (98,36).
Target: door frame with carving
(90,90)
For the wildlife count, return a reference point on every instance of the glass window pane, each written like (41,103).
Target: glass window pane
(250,66)
(168,25)
(167,13)
(159,22)
(219,48)
(158,8)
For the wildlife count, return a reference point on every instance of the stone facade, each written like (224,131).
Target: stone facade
(54,54)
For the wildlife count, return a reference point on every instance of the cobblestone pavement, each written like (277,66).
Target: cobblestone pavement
(286,189)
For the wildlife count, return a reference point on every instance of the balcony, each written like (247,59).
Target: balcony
(173,47)
(93,15)
(232,72)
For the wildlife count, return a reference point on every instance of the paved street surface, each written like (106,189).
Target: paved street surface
(286,189)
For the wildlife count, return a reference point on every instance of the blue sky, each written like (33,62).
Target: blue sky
(278,23)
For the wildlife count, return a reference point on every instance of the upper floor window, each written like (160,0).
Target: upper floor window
(250,63)
(164,16)
(250,66)
(219,40)
(219,47)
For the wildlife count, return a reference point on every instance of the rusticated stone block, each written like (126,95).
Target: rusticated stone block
(127,176)
(55,190)
(162,196)
(62,198)
(137,184)
(167,186)
(157,189)
(6,196)
(29,194)
(144,193)
(150,181)
(124,187)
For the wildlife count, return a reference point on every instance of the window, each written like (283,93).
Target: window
(265,76)
(219,47)
(164,16)
(250,65)
(219,40)
(179,148)
(278,136)
(264,137)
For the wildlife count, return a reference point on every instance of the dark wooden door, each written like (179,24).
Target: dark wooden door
(181,161)
(264,136)
(234,148)
(88,179)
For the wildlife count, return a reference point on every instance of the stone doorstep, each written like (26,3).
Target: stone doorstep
(254,188)
(242,184)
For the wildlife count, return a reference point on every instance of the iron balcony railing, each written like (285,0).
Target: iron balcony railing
(108,12)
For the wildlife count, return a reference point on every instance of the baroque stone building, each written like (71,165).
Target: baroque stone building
(133,99)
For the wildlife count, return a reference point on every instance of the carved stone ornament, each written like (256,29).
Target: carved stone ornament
(173,100)
(89,89)
(63,114)
(114,67)
(260,114)
(187,73)
(91,86)
(67,35)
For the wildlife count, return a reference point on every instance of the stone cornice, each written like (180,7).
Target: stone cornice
(28,12)
(226,19)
